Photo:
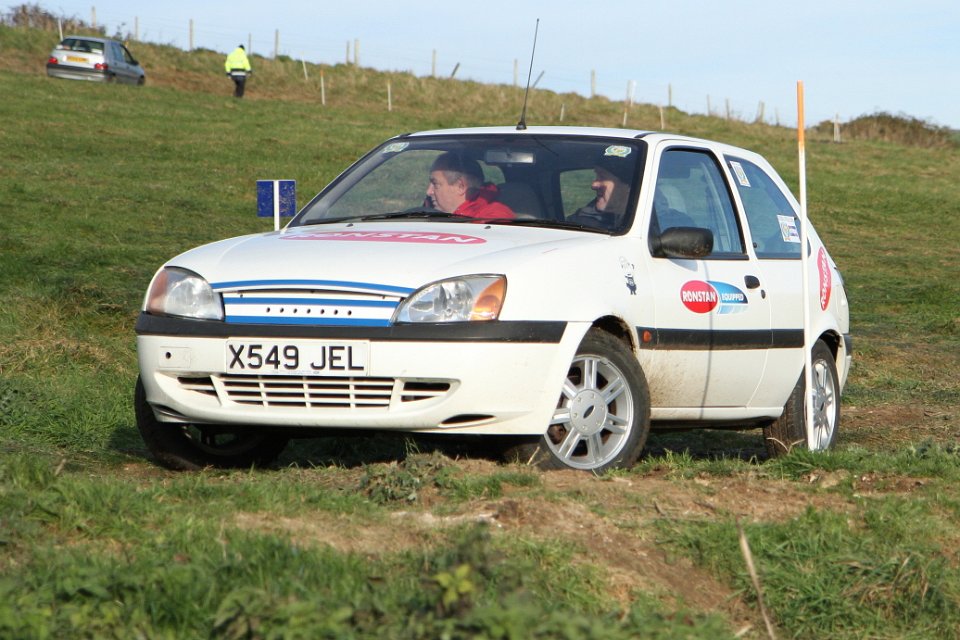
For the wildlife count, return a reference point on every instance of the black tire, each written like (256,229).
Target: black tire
(789,430)
(185,447)
(602,417)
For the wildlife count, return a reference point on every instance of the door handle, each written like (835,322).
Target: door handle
(752,282)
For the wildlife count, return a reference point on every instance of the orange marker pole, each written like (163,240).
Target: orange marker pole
(804,266)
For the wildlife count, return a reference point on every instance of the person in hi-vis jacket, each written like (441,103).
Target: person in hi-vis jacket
(238,68)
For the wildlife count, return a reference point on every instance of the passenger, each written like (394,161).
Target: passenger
(611,183)
(457,187)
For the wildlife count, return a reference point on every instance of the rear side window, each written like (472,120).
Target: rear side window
(773,224)
(692,192)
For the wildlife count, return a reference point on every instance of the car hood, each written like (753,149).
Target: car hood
(404,255)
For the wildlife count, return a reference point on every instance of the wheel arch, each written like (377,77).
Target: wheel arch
(834,342)
(617,328)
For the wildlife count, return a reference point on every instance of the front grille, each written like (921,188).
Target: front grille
(310,307)
(316,392)
(202,385)
(308,391)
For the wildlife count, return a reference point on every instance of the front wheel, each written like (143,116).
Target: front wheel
(187,447)
(602,417)
(790,430)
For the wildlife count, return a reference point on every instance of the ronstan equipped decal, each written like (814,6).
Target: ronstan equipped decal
(387,236)
(703,297)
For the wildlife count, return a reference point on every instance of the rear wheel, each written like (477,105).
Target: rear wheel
(187,447)
(602,417)
(789,430)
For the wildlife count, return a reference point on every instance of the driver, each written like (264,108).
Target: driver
(457,187)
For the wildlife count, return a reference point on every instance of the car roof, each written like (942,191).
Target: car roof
(652,137)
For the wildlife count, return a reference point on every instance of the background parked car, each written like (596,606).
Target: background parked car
(97,59)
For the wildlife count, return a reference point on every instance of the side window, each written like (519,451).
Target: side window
(773,223)
(691,192)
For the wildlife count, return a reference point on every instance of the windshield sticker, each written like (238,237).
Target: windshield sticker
(617,151)
(703,297)
(788,229)
(826,280)
(741,176)
(395,147)
(387,236)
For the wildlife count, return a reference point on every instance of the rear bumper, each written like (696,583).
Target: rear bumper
(68,72)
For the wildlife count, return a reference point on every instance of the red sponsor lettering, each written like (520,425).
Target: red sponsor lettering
(387,236)
(826,280)
(699,296)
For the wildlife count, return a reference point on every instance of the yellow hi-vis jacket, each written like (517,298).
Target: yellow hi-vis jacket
(237,60)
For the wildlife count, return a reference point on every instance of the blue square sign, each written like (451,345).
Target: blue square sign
(276,197)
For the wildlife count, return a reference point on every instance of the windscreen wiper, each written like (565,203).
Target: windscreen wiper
(550,224)
(431,214)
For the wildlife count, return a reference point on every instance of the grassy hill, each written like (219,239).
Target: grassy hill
(100,184)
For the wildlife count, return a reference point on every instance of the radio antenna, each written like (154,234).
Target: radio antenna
(523,112)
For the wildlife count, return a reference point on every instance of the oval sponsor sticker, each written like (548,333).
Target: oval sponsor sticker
(699,296)
(826,279)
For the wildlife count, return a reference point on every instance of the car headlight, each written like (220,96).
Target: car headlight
(178,292)
(463,299)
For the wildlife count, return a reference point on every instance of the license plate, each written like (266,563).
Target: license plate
(76,59)
(276,357)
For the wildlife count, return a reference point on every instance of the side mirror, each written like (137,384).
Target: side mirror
(276,198)
(682,242)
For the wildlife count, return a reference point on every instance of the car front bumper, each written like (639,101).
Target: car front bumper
(472,378)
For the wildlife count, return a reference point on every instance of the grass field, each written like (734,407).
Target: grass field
(369,538)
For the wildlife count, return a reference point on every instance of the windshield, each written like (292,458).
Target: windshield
(587,183)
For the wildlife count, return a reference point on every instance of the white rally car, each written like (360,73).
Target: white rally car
(570,287)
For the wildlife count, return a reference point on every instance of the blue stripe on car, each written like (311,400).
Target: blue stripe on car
(345,322)
(313,301)
(236,284)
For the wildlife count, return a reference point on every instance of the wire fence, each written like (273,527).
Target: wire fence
(410,55)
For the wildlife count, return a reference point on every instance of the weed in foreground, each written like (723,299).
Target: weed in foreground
(827,575)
